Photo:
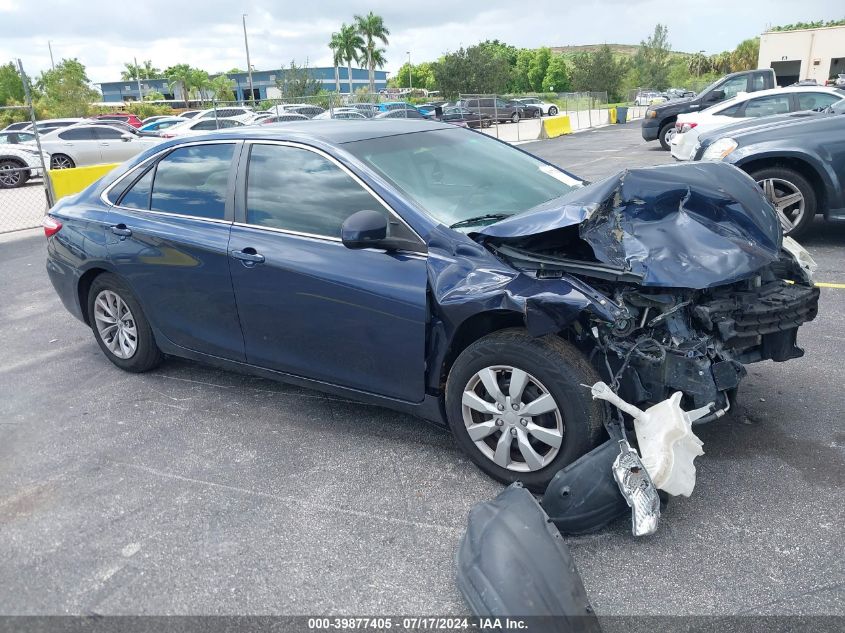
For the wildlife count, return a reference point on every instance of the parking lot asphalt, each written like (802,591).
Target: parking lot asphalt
(189,490)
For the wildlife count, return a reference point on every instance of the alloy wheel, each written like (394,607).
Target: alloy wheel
(115,324)
(60,162)
(670,134)
(512,418)
(10,175)
(787,200)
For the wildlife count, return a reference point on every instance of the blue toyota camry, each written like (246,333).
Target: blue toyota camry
(437,271)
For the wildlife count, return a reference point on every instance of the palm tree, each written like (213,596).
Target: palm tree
(371,27)
(334,45)
(350,46)
(221,87)
(181,76)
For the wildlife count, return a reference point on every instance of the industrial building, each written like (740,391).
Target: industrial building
(817,54)
(264,84)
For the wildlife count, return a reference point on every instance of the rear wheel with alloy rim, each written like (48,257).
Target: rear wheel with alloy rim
(792,196)
(515,117)
(60,161)
(119,325)
(516,406)
(552,111)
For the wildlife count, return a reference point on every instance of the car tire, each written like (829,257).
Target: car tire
(665,135)
(110,297)
(515,117)
(61,161)
(552,111)
(11,176)
(550,367)
(785,182)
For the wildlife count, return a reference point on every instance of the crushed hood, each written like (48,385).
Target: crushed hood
(693,225)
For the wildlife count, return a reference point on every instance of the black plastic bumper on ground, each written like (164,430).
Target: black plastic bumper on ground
(513,562)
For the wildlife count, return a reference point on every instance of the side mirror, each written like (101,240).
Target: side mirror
(126,136)
(364,229)
(716,95)
(370,229)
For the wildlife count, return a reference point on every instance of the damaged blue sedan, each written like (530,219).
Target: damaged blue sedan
(439,272)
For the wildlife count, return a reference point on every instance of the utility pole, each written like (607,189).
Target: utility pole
(138,79)
(410,73)
(50,46)
(248,64)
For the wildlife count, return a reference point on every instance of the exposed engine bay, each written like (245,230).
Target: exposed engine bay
(689,260)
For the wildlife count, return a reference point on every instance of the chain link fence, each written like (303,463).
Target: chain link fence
(24,188)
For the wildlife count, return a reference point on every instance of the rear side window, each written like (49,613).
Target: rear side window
(78,134)
(298,190)
(138,197)
(193,181)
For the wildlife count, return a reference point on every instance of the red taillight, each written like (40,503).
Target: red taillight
(51,226)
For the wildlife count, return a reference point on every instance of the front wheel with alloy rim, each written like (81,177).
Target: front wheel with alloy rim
(552,111)
(516,406)
(120,327)
(792,196)
(666,134)
(60,161)
(515,117)
(12,174)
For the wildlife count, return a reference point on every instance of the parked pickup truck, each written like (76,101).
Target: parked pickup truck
(659,120)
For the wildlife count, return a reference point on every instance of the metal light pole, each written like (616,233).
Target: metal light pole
(50,46)
(138,79)
(410,74)
(248,64)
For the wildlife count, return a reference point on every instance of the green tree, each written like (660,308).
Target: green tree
(557,75)
(153,95)
(652,60)
(145,70)
(337,59)
(698,64)
(234,71)
(745,55)
(11,86)
(524,60)
(222,88)
(180,76)
(351,48)
(472,70)
(721,62)
(200,84)
(65,89)
(422,76)
(371,27)
(537,69)
(297,81)
(598,72)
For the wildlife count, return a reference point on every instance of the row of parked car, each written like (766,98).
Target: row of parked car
(115,137)
(790,140)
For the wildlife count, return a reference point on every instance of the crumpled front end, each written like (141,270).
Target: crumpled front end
(693,260)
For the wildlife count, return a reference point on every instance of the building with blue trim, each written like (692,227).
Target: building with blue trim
(263,83)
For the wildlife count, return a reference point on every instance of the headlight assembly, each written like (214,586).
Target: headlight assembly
(719,149)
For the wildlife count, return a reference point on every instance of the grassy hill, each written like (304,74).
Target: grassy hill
(626,50)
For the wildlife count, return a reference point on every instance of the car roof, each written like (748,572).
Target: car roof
(332,131)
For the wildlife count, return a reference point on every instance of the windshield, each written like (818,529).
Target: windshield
(457,174)
(837,108)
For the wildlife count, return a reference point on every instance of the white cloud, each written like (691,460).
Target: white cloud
(104,37)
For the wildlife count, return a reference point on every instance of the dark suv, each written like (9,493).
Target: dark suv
(499,110)
(659,120)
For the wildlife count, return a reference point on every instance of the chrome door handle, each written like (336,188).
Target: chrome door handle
(249,257)
(121,230)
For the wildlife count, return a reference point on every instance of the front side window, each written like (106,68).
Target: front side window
(193,181)
(733,111)
(299,190)
(765,106)
(734,86)
(816,100)
(456,175)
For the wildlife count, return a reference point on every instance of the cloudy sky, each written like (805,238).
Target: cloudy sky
(103,33)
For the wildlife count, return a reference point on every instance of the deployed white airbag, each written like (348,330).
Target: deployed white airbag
(666,441)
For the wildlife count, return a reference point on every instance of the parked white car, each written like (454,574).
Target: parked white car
(748,105)
(19,163)
(199,126)
(648,97)
(546,108)
(238,113)
(80,145)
